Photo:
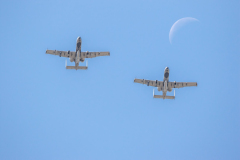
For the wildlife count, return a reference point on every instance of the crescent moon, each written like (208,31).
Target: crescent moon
(178,24)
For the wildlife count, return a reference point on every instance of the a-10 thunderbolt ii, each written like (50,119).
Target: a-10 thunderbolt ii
(77,56)
(165,85)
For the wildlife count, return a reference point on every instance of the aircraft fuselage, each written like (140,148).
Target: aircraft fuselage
(165,81)
(78,52)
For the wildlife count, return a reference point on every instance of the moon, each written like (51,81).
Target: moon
(178,24)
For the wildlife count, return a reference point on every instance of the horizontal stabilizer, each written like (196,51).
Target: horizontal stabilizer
(78,67)
(163,97)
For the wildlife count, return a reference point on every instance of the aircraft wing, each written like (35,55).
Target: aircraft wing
(181,84)
(61,53)
(94,54)
(155,83)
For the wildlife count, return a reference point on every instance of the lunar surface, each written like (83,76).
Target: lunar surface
(178,24)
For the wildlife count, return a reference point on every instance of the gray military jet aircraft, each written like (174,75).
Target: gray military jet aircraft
(165,85)
(77,56)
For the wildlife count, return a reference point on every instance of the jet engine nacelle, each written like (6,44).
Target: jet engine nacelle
(72,59)
(160,88)
(82,59)
(169,89)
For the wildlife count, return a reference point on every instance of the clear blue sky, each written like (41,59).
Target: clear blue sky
(48,112)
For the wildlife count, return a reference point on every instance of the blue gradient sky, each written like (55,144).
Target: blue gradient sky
(48,112)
